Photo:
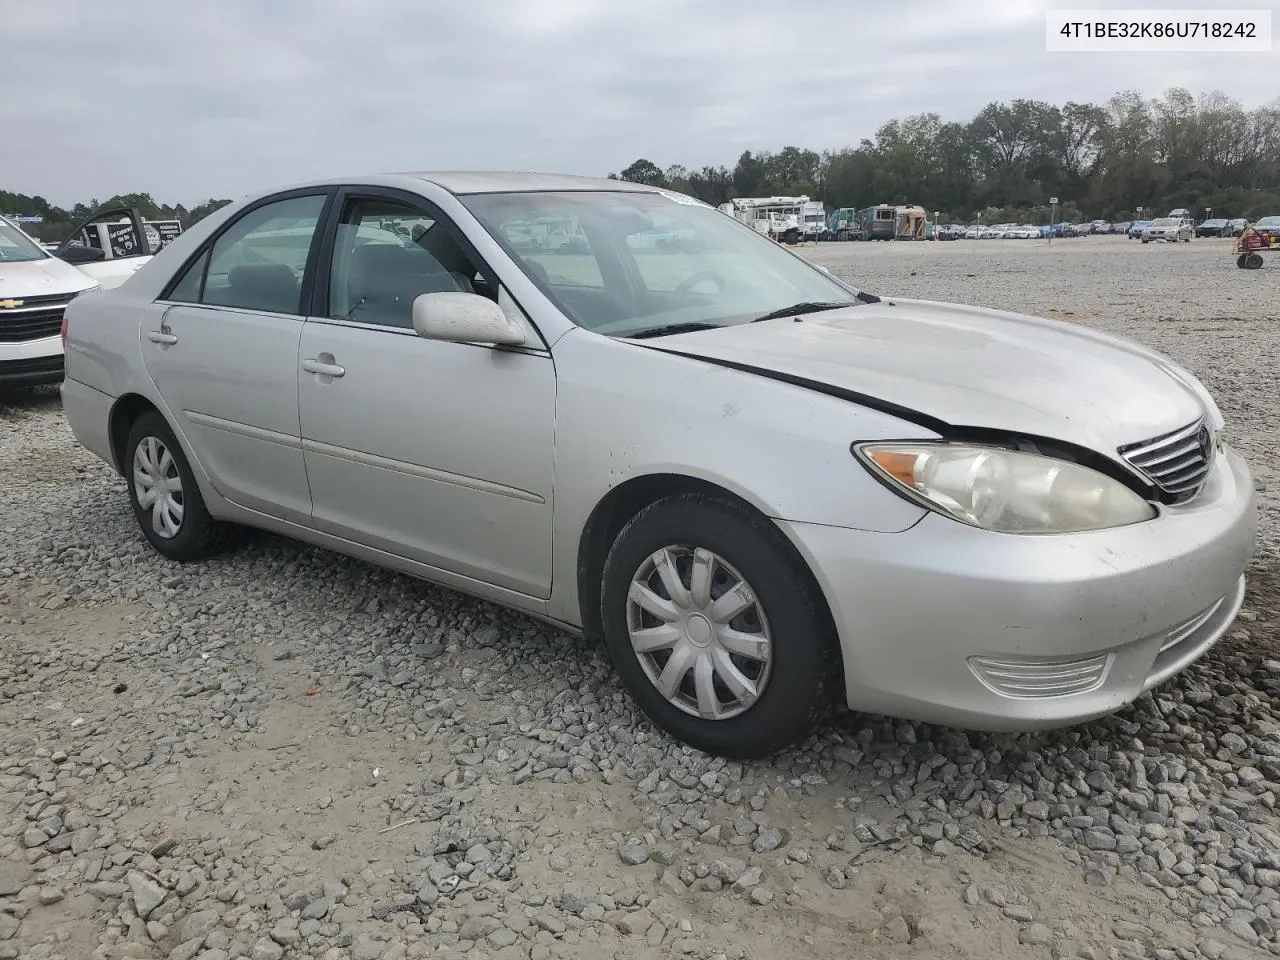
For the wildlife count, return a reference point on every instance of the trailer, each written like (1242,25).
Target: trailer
(1254,240)
(910,223)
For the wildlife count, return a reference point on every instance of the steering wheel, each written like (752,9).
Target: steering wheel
(688,283)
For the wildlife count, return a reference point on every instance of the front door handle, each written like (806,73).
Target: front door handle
(323,369)
(160,336)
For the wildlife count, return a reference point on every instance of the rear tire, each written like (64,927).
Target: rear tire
(774,611)
(1253,261)
(165,498)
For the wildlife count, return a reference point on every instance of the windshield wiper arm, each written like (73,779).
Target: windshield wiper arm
(807,306)
(670,328)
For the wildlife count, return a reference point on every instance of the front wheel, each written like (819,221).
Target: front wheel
(166,501)
(717,628)
(1253,261)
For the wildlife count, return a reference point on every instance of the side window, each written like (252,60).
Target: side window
(257,264)
(187,289)
(386,254)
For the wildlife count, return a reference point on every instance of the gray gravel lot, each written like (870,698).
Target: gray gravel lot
(285,753)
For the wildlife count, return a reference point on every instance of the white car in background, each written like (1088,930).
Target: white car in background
(1023,232)
(35,288)
(36,285)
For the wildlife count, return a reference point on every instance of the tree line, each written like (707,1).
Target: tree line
(1100,160)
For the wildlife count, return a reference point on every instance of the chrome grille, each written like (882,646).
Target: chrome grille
(27,303)
(19,325)
(1177,462)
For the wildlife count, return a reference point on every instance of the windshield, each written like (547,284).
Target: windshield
(623,262)
(1268,222)
(16,246)
(1162,222)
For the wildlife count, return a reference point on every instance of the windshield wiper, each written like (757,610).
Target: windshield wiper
(670,328)
(807,306)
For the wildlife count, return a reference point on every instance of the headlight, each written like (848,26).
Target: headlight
(1005,490)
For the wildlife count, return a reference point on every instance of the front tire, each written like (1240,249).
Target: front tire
(717,628)
(165,498)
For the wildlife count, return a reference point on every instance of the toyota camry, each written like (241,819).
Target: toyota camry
(765,490)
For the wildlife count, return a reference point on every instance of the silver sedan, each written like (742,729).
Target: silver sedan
(766,491)
(1171,229)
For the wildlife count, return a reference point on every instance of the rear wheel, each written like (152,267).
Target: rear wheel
(1253,261)
(717,628)
(166,501)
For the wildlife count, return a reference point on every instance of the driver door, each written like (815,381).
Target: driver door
(438,452)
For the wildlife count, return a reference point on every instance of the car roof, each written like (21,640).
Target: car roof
(463,182)
(481,181)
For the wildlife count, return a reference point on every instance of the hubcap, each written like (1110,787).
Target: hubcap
(699,632)
(158,486)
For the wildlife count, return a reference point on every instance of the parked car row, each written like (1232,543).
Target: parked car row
(1024,231)
(1221,227)
(1133,229)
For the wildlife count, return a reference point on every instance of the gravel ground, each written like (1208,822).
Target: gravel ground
(285,753)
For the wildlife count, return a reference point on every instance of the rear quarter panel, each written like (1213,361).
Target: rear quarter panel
(102,348)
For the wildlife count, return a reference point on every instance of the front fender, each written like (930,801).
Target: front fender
(624,411)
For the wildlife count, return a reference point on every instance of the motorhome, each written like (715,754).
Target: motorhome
(879,222)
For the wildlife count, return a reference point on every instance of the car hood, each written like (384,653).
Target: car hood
(41,278)
(953,366)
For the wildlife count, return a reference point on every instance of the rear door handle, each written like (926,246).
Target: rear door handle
(323,369)
(160,336)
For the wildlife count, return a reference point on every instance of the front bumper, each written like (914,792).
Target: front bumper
(945,623)
(31,363)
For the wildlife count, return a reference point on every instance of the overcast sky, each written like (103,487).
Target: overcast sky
(188,99)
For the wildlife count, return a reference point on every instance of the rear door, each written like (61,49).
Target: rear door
(224,355)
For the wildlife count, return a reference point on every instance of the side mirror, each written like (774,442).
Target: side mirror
(464,318)
(81,253)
